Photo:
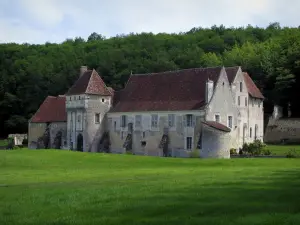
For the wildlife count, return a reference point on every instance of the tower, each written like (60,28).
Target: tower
(87,103)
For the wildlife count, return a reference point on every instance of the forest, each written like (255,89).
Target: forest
(29,72)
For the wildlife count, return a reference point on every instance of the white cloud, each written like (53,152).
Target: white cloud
(56,20)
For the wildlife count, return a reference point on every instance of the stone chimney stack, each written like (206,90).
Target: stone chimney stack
(209,90)
(83,69)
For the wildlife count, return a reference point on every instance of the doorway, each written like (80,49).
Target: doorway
(79,143)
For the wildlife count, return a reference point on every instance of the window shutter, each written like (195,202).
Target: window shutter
(194,120)
(184,120)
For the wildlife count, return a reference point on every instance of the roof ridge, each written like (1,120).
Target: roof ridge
(178,70)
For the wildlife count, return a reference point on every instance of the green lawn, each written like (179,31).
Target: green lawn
(283,149)
(62,187)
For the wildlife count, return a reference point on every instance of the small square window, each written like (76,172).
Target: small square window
(103,100)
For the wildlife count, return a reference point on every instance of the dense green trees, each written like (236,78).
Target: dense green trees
(28,73)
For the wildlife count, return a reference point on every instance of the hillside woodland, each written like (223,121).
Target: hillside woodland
(29,73)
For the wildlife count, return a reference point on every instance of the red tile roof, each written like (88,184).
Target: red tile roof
(53,109)
(166,91)
(217,126)
(90,83)
(251,87)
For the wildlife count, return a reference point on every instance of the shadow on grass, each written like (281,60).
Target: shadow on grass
(265,200)
(273,199)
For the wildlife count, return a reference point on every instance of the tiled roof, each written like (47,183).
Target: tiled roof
(53,109)
(217,126)
(231,73)
(251,87)
(89,83)
(166,91)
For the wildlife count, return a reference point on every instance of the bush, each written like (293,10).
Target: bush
(25,142)
(233,151)
(291,153)
(266,152)
(255,148)
(195,153)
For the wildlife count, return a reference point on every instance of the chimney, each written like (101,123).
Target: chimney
(83,69)
(209,90)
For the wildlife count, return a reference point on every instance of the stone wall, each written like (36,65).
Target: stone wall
(283,131)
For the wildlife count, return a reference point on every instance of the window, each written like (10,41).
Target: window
(123,121)
(115,125)
(189,120)
(217,118)
(246,101)
(241,86)
(103,100)
(252,101)
(154,120)
(122,135)
(239,100)
(144,134)
(230,121)
(259,104)
(255,131)
(97,117)
(78,97)
(78,118)
(171,119)
(138,120)
(250,132)
(189,143)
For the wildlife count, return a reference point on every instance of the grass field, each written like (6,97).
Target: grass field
(283,149)
(61,187)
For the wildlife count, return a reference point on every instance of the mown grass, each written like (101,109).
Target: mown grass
(282,150)
(63,187)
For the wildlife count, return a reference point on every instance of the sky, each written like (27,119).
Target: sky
(40,21)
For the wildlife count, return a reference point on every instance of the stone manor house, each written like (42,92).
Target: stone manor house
(173,113)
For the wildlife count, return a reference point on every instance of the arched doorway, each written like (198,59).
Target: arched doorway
(79,143)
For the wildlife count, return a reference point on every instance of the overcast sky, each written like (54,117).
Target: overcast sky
(38,21)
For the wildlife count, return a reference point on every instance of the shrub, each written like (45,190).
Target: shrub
(195,154)
(266,152)
(232,151)
(10,143)
(291,153)
(25,142)
(255,148)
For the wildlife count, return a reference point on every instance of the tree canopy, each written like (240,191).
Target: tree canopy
(29,73)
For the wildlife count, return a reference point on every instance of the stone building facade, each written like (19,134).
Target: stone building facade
(171,113)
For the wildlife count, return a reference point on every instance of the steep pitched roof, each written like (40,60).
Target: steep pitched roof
(89,83)
(251,87)
(231,73)
(53,109)
(166,91)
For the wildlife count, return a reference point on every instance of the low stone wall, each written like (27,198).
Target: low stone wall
(283,131)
